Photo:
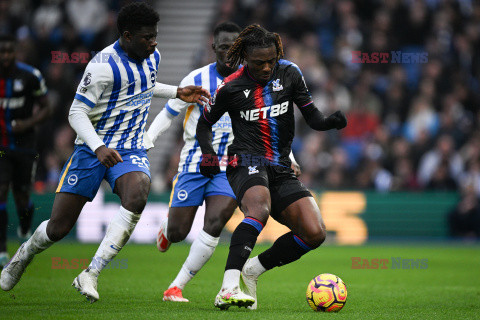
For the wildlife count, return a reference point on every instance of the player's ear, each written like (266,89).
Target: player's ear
(127,35)
(214,47)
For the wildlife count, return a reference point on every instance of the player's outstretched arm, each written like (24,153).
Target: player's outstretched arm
(172,109)
(211,113)
(209,166)
(317,121)
(194,94)
(162,90)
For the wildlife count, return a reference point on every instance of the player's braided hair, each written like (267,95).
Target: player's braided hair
(253,36)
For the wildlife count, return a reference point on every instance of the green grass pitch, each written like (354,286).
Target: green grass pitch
(448,288)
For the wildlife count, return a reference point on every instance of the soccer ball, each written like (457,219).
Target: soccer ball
(326,292)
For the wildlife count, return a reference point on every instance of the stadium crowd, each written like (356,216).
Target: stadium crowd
(412,125)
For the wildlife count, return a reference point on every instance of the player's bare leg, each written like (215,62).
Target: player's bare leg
(307,232)
(65,211)
(180,220)
(3,224)
(219,209)
(304,219)
(133,200)
(256,206)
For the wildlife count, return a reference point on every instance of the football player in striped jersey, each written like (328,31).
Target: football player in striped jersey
(108,113)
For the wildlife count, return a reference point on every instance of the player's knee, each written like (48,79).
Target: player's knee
(135,202)
(57,231)
(175,234)
(315,236)
(259,211)
(134,193)
(214,223)
(213,226)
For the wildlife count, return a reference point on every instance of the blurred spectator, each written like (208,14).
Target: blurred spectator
(440,164)
(441,179)
(91,21)
(422,119)
(404,177)
(371,175)
(464,220)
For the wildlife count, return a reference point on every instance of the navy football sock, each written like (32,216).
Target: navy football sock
(286,249)
(25,216)
(243,240)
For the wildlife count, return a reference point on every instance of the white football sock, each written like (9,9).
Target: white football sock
(254,267)
(117,235)
(39,241)
(200,252)
(231,279)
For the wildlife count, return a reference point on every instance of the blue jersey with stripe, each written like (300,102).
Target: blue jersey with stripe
(209,78)
(119,90)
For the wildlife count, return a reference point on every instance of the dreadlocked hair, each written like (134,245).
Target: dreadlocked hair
(253,36)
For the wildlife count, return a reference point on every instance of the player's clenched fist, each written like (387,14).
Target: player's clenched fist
(337,120)
(209,166)
(108,157)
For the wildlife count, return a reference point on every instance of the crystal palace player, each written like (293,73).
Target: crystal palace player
(108,113)
(190,188)
(21,87)
(259,99)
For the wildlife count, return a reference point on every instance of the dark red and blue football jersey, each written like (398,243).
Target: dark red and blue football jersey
(262,116)
(17,96)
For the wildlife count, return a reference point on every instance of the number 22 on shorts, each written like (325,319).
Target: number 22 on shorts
(141,162)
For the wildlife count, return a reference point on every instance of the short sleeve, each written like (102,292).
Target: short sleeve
(301,95)
(217,105)
(39,87)
(175,106)
(95,80)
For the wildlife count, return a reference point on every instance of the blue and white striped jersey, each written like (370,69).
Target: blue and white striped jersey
(119,90)
(190,158)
